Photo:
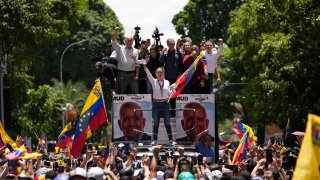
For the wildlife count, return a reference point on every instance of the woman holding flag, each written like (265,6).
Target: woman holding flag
(160,104)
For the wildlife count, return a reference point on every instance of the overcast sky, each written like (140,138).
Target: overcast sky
(147,14)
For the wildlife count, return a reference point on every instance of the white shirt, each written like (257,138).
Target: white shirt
(124,57)
(156,86)
(212,59)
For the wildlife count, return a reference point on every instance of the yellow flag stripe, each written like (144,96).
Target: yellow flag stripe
(94,95)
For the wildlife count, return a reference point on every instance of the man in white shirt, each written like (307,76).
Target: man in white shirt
(128,69)
(211,57)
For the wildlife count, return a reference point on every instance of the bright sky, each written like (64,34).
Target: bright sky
(147,14)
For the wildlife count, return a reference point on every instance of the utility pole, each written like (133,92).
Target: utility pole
(3,70)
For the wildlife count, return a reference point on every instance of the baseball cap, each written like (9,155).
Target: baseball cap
(160,175)
(216,174)
(78,172)
(185,176)
(96,173)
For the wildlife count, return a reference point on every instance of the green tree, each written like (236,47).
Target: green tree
(274,46)
(96,21)
(205,18)
(73,92)
(39,114)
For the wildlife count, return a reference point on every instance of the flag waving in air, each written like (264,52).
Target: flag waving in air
(308,163)
(4,136)
(65,136)
(185,77)
(92,116)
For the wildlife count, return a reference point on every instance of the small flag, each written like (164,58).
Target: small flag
(64,139)
(41,145)
(92,116)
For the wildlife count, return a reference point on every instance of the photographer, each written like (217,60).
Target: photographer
(109,71)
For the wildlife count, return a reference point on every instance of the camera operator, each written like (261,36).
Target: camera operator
(107,66)
(108,71)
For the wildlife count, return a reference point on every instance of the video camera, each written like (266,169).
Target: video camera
(137,38)
(156,35)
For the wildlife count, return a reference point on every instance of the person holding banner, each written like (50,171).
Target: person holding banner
(160,105)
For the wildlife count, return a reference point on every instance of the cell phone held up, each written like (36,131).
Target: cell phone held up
(200,159)
(269,158)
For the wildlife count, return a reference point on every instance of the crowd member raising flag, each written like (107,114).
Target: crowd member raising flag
(65,137)
(247,140)
(241,152)
(185,78)
(92,116)
(41,147)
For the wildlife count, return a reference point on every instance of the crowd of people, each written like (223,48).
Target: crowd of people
(153,70)
(123,65)
(273,161)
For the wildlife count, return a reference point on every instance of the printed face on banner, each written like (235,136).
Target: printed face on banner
(196,116)
(131,117)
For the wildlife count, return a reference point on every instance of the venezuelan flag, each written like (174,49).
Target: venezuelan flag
(64,139)
(92,116)
(242,149)
(240,129)
(185,77)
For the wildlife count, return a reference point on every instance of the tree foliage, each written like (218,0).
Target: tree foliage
(275,46)
(35,33)
(39,114)
(205,18)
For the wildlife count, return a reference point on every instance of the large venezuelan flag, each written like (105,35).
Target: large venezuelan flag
(242,149)
(92,116)
(185,77)
(65,136)
(240,129)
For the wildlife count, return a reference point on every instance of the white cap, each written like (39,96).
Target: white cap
(78,172)
(160,175)
(95,172)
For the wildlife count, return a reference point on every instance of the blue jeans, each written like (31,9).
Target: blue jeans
(165,112)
